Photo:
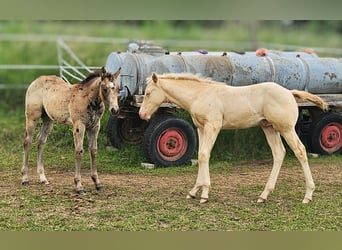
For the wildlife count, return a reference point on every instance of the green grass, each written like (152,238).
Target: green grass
(130,208)
(137,199)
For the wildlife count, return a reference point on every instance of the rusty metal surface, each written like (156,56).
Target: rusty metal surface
(293,70)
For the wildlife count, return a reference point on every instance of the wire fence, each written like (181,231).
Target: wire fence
(67,70)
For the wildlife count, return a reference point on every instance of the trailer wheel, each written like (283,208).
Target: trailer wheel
(128,130)
(326,134)
(169,141)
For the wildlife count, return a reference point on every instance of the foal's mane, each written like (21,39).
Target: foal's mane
(91,76)
(186,77)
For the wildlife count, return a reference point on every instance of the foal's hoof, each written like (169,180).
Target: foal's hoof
(99,188)
(45,182)
(80,192)
(306,200)
(189,196)
(261,200)
(25,183)
(203,200)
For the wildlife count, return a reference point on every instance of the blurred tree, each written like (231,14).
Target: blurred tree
(319,25)
(201,23)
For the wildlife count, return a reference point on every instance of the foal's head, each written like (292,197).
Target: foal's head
(154,96)
(109,89)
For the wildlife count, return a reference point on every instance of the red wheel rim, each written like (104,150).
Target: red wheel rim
(172,144)
(331,137)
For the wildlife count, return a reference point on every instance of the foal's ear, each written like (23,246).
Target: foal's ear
(102,72)
(117,73)
(154,77)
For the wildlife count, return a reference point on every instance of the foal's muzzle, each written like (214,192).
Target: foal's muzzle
(114,111)
(144,114)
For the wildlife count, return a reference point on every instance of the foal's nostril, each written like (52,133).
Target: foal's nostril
(143,114)
(114,111)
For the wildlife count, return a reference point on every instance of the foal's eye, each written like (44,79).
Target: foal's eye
(111,85)
(148,93)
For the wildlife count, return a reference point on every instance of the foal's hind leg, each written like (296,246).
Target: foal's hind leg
(298,148)
(43,134)
(278,152)
(31,123)
(92,136)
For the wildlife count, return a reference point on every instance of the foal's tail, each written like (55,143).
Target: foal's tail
(310,97)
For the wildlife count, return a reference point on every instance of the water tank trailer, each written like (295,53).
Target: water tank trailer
(169,140)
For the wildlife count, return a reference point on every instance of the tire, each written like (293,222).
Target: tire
(326,134)
(128,130)
(169,141)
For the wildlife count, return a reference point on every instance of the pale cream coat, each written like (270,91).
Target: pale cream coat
(214,106)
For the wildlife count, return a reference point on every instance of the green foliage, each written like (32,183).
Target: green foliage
(12,100)
(44,52)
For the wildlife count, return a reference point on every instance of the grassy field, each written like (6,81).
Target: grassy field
(135,198)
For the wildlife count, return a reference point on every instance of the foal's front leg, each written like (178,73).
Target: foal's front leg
(78,132)
(207,138)
(92,136)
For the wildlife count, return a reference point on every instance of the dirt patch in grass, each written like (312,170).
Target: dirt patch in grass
(156,201)
(223,184)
